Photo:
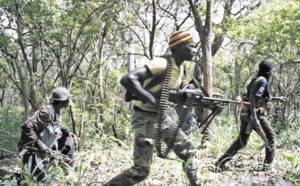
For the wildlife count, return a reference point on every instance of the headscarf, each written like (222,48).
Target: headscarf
(178,37)
(265,69)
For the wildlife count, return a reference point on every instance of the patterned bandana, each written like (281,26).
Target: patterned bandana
(179,37)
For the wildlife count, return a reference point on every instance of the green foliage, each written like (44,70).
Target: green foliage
(293,174)
(4,39)
(269,32)
(10,127)
(70,41)
(274,27)
(289,137)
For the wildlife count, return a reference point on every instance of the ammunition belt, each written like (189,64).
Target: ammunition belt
(163,105)
(162,108)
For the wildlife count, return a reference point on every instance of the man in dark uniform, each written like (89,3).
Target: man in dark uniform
(188,126)
(254,114)
(144,117)
(44,132)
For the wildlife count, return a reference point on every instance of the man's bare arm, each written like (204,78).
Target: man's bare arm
(132,82)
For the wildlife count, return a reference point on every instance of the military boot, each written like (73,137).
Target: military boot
(192,172)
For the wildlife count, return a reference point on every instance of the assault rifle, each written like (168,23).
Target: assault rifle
(260,131)
(55,154)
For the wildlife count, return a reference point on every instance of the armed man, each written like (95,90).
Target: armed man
(253,117)
(43,137)
(147,86)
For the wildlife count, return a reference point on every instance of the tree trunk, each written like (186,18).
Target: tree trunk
(237,86)
(82,119)
(100,87)
(83,108)
(23,85)
(18,65)
(74,126)
(153,29)
(204,32)
(32,96)
(2,96)
(101,36)
(207,83)
(35,59)
(130,63)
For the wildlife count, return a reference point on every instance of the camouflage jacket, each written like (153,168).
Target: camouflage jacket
(42,118)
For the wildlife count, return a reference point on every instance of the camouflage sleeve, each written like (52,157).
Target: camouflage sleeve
(36,123)
(28,135)
(44,116)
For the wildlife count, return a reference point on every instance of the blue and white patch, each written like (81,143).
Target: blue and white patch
(260,91)
(262,88)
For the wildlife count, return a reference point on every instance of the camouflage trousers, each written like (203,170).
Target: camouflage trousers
(243,139)
(143,124)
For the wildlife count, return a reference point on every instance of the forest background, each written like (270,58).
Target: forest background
(87,46)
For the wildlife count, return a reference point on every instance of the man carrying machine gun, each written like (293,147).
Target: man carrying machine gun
(148,85)
(253,116)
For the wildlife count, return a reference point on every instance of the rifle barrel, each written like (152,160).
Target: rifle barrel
(224,100)
(53,154)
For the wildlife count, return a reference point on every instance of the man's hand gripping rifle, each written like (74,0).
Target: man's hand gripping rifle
(260,131)
(255,124)
(54,154)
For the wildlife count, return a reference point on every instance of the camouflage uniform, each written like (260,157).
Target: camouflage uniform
(143,123)
(32,129)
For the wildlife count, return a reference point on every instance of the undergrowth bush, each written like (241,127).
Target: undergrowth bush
(104,156)
(11,118)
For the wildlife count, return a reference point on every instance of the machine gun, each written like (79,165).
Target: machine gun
(54,154)
(179,96)
(199,100)
(188,98)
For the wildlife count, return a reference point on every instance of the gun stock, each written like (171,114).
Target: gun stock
(260,131)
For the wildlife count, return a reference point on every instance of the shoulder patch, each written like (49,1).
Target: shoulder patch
(262,86)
